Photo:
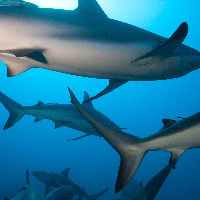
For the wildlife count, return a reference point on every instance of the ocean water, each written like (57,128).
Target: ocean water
(137,106)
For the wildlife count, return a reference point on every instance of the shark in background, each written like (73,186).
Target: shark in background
(131,190)
(61,114)
(136,191)
(85,42)
(175,138)
(56,180)
(28,192)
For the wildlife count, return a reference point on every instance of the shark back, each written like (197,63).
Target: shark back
(18,3)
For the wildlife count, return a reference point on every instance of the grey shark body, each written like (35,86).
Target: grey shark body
(175,138)
(56,180)
(85,42)
(61,114)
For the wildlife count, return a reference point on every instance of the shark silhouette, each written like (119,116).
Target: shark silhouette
(56,180)
(175,138)
(28,192)
(136,191)
(131,190)
(61,114)
(85,42)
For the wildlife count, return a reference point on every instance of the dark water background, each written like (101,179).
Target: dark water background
(138,106)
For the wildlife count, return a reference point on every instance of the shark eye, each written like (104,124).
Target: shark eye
(23,188)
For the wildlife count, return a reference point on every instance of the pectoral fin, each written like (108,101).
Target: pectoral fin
(35,54)
(171,44)
(20,60)
(113,84)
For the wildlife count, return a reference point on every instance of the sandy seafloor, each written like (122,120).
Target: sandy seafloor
(138,106)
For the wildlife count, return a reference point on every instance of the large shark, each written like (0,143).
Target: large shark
(28,192)
(136,191)
(61,114)
(85,42)
(56,180)
(175,137)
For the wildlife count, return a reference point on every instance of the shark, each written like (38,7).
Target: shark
(29,192)
(86,42)
(136,191)
(175,137)
(131,190)
(61,114)
(57,180)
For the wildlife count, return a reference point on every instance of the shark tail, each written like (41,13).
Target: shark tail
(128,146)
(96,196)
(15,110)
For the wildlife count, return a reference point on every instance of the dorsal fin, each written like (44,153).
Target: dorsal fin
(27,177)
(141,184)
(17,3)
(65,172)
(90,7)
(89,104)
(39,103)
(167,123)
(48,189)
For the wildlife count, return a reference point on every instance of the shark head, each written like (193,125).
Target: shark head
(45,177)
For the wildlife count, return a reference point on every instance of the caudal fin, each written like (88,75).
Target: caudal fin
(96,196)
(128,146)
(15,110)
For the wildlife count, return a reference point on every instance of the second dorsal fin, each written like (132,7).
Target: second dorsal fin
(39,103)
(167,123)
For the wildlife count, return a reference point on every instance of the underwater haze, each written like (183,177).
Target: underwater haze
(138,106)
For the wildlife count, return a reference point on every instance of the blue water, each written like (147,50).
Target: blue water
(137,106)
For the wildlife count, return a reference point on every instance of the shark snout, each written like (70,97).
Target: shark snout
(39,175)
